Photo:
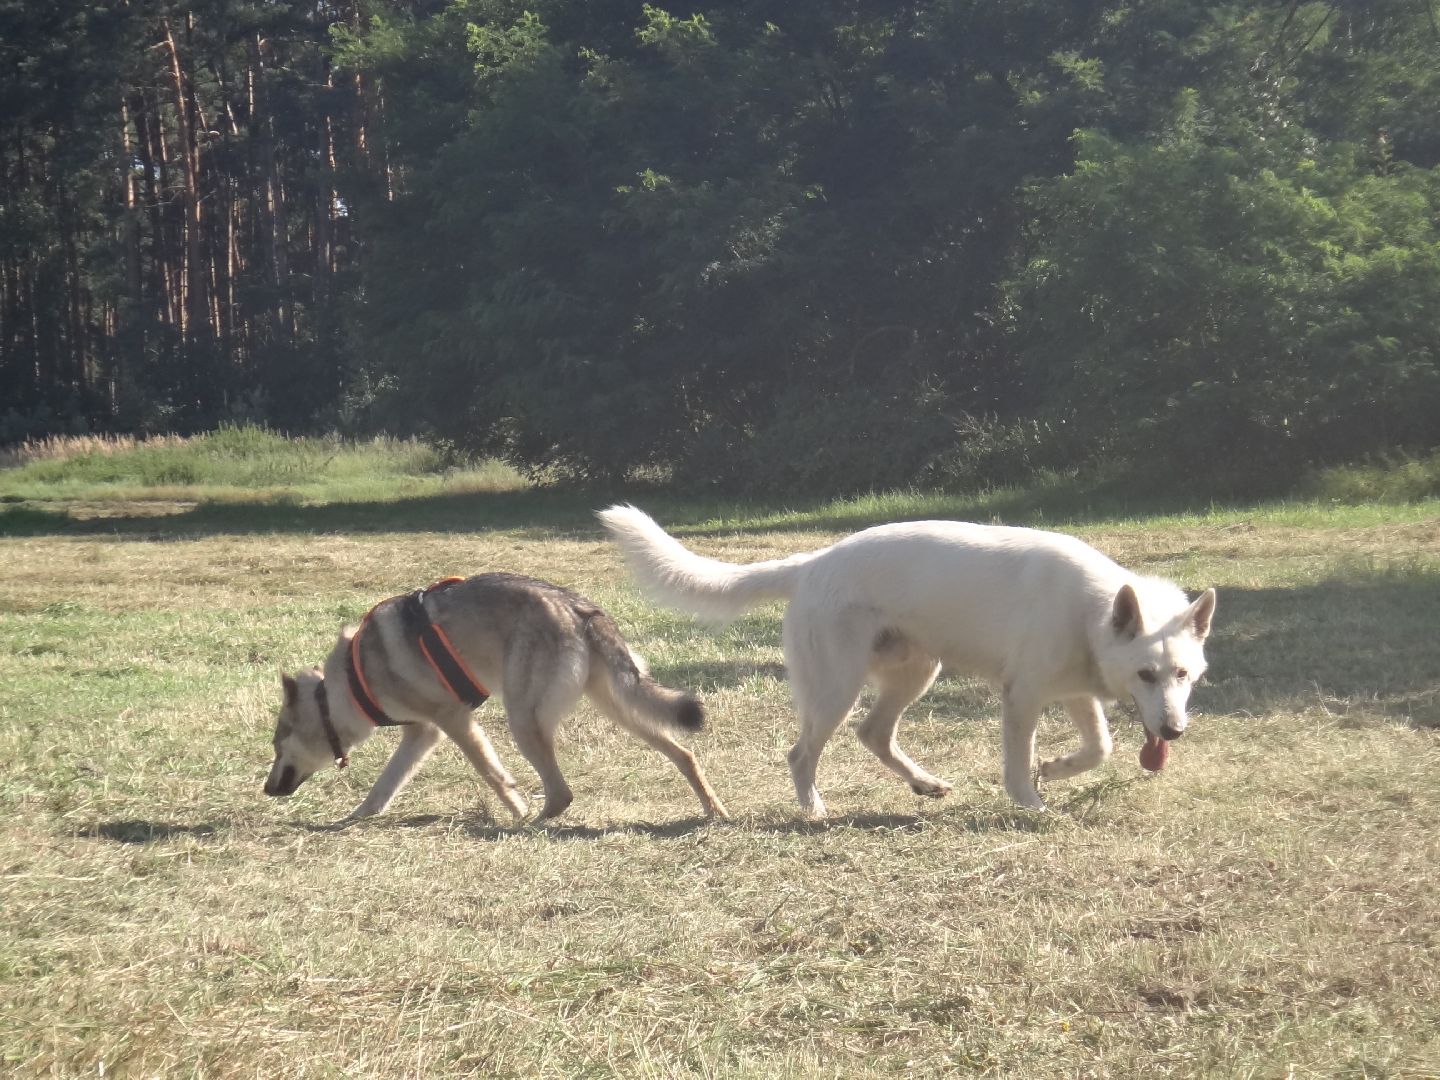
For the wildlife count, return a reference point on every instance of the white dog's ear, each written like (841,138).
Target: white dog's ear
(1201,613)
(1126,616)
(347,632)
(292,688)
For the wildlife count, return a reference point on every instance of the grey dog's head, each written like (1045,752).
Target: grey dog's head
(301,746)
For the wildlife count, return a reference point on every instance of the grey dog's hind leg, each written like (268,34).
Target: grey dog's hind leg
(536,742)
(543,683)
(680,755)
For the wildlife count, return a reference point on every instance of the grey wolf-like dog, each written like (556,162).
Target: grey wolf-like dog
(538,646)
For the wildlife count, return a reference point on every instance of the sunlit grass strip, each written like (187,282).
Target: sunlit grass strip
(226,464)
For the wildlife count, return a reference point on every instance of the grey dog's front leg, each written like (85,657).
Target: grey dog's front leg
(416,742)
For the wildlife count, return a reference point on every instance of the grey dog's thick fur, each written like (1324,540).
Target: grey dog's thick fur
(536,645)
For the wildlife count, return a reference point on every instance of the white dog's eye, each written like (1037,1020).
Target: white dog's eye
(1146,676)
(1181,674)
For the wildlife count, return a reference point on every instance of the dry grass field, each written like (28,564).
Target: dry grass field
(1269,906)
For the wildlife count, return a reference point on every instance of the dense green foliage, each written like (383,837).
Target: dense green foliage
(838,245)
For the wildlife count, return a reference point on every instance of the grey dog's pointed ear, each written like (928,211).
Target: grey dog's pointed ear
(1201,613)
(1125,616)
(292,688)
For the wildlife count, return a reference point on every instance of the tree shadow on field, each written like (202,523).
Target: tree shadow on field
(543,513)
(144,832)
(1335,644)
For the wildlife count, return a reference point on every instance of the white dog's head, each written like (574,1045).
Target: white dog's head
(302,746)
(1154,659)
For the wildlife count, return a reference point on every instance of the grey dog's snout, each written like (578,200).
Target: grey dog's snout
(1170,734)
(286,784)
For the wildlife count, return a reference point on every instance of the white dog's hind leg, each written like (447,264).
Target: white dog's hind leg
(1095,745)
(416,742)
(1018,723)
(826,665)
(900,685)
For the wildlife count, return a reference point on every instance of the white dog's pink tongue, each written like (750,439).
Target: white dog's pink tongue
(1154,752)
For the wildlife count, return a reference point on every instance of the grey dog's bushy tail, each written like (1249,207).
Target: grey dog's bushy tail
(630,691)
(689,713)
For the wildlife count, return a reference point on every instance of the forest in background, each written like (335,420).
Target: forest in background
(749,246)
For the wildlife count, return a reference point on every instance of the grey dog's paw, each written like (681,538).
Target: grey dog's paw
(936,790)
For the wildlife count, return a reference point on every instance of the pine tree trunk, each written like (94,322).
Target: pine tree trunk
(272,206)
(192,303)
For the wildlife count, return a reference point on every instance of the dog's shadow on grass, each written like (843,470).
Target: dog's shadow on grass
(975,821)
(144,832)
(485,829)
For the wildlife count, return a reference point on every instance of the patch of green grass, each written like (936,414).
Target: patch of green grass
(248,464)
(1037,507)
(1389,480)
(1266,906)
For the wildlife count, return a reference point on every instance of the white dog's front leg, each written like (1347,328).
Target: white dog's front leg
(1095,745)
(416,742)
(1018,723)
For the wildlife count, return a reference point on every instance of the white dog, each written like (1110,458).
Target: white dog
(1043,616)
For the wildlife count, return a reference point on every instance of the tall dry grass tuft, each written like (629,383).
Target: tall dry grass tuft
(64,447)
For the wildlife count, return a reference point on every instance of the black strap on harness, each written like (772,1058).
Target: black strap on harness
(438,650)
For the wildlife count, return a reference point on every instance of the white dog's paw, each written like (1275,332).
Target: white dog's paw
(814,807)
(1026,798)
(1061,768)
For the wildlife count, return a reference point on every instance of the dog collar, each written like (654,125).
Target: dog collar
(322,701)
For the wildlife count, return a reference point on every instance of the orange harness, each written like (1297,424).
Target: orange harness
(442,656)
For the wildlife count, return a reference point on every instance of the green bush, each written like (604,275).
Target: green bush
(842,443)
(1386,479)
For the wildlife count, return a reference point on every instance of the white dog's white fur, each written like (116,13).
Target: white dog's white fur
(1043,616)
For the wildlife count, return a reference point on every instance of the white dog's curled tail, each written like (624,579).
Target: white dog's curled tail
(672,575)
